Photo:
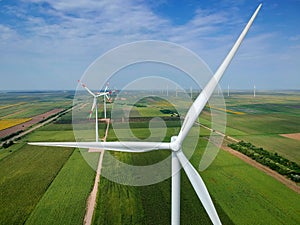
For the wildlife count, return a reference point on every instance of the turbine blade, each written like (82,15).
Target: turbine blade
(199,187)
(100,94)
(89,91)
(114,146)
(106,87)
(204,96)
(86,88)
(94,104)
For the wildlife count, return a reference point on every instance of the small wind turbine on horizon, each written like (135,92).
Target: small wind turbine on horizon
(95,104)
(228,90)
(179,160)
(254,91)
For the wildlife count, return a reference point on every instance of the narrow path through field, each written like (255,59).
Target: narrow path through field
(287,182)
(91,203)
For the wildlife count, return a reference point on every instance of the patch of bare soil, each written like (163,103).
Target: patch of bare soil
(34,120)
(295,136)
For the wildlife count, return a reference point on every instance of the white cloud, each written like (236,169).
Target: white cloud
(69,34)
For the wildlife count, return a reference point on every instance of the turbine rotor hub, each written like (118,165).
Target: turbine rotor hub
(175,146)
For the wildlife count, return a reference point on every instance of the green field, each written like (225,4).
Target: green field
(242,194)
(42,185)
(266,117)
(64,201)
(29,104)
(25,175)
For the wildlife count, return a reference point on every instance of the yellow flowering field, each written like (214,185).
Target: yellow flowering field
(228,110)
(7,123)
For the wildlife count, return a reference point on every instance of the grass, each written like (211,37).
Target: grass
(7,123)
(65,200)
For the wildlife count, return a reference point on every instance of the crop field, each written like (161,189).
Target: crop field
(24,177)
(7,123)
(64,202)
(242,194)
(43,185)
(29,104)
(266,117)
(21,110)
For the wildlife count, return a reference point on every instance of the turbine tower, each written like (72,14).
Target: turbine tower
(179,160)
(254,91)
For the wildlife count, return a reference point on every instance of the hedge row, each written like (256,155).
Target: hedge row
(272,160)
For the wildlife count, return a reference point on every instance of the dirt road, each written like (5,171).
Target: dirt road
(91,203)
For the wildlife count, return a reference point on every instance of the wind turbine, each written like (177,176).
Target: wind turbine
(228,90)
(175,145)
(95,104)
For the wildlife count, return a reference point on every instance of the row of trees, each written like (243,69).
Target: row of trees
(269,159)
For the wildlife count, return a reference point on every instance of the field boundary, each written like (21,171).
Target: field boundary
(35,125)
(287,182)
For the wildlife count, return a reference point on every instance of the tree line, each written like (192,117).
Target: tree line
(272,160)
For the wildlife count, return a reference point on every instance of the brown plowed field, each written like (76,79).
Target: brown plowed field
(34,120)
(293,136)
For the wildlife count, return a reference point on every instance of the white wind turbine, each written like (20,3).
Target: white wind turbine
(95,105)
(175,145)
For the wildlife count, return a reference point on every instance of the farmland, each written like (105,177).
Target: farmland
(43,185)
(19,111)
(266,118)
(7,123)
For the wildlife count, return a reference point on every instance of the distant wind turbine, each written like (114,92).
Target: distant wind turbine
(228,93)
(254,91)
(95,104)
(167,90)
(175,145)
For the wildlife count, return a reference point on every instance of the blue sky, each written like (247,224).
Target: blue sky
(48,44)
